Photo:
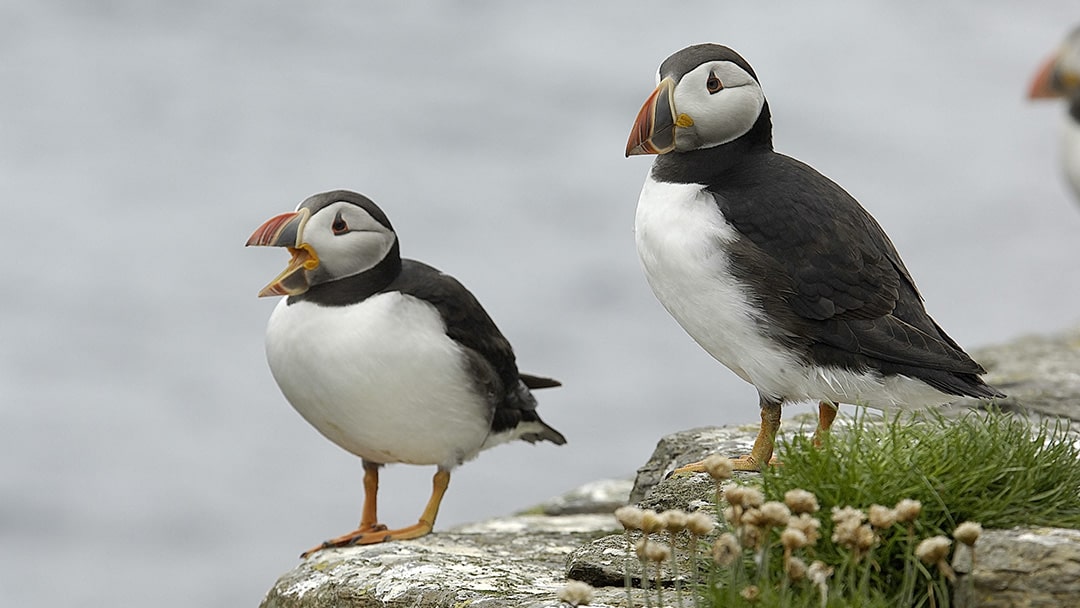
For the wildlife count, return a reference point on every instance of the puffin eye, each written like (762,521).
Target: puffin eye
(339,226)
(713,84)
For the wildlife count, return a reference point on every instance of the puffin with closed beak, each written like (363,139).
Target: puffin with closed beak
(773,268)
(1059,78)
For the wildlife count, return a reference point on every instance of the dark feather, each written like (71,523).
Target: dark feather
(824,270)
(833,277)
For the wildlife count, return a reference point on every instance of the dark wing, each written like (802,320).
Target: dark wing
(831,273)
(490,355)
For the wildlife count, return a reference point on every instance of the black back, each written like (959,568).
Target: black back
(826,272)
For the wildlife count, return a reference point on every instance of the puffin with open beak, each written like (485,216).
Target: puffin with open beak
(773,268)
(388,358)
(1057,78)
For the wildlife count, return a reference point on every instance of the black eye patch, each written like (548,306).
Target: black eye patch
(340,226)
(713,84)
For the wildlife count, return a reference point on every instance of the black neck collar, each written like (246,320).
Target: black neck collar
(704,165)
(355,288)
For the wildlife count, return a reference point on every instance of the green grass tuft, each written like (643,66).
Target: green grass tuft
(985,467)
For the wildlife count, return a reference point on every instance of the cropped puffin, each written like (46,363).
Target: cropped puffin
(1059,77)
(773,268)
(389,358)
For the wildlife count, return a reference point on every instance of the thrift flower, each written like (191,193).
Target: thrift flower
(650,521)
(575,593)
(882,517)
(774,514)
(718,467)
(699,524)
(795,569)
(629,517)
(674,520)
(726,549)
(933,550)
(801,501)
(793,538)
(908,510)
(967,532)
(808,526)
(750,593)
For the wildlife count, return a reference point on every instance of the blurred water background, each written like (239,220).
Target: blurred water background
(146,456)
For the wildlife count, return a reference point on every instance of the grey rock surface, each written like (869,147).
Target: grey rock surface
(602,496)
(606,561)
(1040,374)
(510,561)
(1037,567)
(685,447)
(685,492)
(514,561)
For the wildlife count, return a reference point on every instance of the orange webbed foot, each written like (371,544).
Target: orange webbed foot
(372,535)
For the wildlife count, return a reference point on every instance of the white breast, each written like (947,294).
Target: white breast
(380,378)
(680,237)
(1070,145)
(681,241)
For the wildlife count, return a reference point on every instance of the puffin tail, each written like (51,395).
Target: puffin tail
(538,430)
(535,382)
(982,390)
(961,385)
(541,431)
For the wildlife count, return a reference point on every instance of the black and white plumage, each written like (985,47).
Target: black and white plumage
(1059,77)
(773,268)
(389,358)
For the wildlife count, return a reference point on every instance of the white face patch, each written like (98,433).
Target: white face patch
(718,117)
(347,240)
(1069,58)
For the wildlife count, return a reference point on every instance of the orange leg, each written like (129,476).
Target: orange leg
(370,533)
(826,414)
(369,517)
(761,454)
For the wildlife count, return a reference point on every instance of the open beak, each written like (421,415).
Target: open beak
(654,129)
(287,230)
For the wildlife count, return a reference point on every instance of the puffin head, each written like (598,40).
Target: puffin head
(331,236)
(707,96)
(1059,75)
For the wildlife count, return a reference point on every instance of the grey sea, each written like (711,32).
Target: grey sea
(146,456)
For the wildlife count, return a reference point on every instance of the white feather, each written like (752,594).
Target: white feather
(379,378)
